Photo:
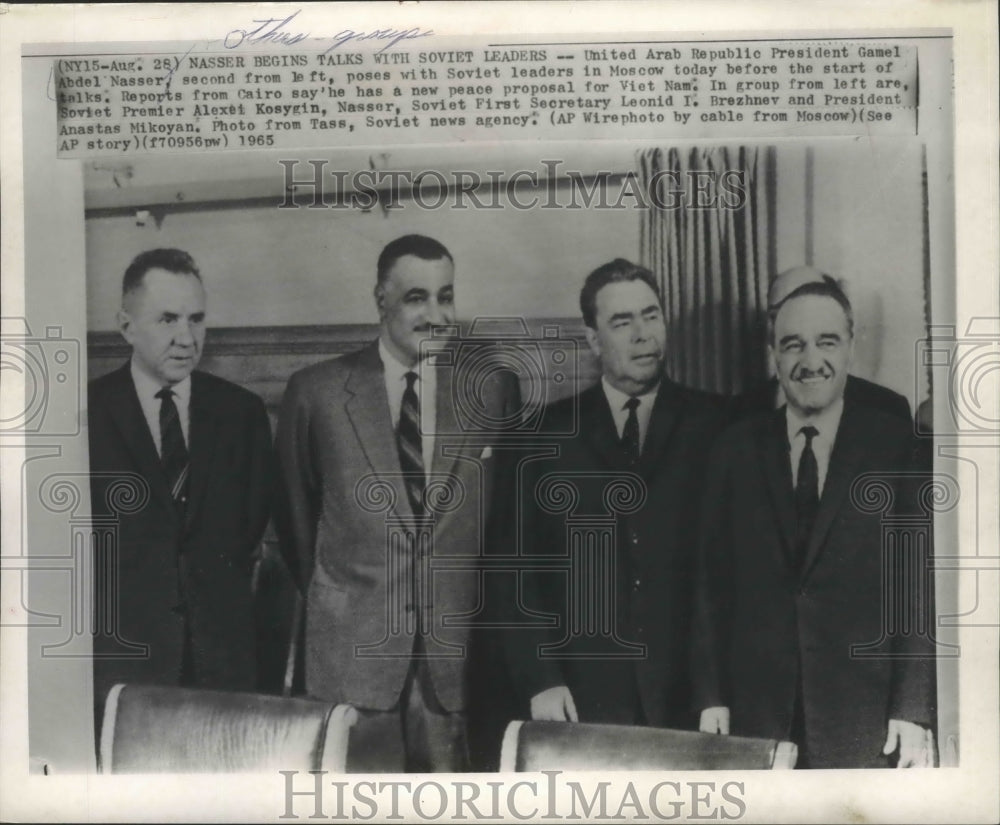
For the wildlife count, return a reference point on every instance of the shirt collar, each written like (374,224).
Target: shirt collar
(147,387)
(617,398)
(826,422)
(395,370)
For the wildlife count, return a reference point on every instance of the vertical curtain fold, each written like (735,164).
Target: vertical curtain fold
(713,260)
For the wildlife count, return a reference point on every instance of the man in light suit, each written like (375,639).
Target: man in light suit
(177,580)
(795,579)
(373,456)
(636,426)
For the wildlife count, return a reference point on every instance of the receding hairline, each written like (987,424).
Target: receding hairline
(847,316)
(422,247)
(392,267)
(130,295)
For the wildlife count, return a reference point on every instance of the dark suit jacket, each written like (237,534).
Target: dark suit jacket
(335,438)
(652,559)
(167,568)
(758,621)
(856,391)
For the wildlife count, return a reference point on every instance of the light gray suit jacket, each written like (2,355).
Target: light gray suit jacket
(345,519)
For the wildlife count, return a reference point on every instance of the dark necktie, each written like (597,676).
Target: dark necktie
(411,454)
(630,432)
(173,450)
(806,493)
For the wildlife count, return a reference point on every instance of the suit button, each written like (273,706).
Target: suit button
(636,584)
(635,538)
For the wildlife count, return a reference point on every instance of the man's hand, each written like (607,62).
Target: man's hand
(916,744)
(714,720)
(554,705)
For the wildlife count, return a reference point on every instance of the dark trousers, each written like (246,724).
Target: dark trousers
(798,730)
(416,736)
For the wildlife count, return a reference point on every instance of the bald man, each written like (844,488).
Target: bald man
(857,391)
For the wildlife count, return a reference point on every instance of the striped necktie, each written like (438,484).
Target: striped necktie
(411,455)
(173,451)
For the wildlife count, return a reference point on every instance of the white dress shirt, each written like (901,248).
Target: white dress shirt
(826,423)
(426,389)
(617,401)
(147,388)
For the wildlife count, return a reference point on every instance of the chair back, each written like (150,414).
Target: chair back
(156,729)
(573,746)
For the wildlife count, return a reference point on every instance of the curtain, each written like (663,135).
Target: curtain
(713,260)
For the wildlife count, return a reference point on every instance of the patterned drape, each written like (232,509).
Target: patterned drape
(713,259)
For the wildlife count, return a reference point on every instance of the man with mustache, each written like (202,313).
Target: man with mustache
(173,592)
(769,395)
(380,483)
(793,573)
(618,648)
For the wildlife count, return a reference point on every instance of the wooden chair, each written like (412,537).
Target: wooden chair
(572,746)
(154,729)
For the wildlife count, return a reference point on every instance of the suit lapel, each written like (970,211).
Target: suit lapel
(127,414)
(772,445)
(368,409)
(205,422)
(663,419)
(848,452)
(449,440)
(598,426)
(446,429)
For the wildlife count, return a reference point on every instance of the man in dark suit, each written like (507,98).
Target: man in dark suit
(794,578)
(383,484)
(769,395)
(632,468)
(173,592)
